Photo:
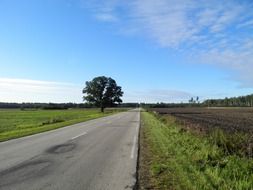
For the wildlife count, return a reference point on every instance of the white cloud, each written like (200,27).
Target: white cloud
(164,21)
(213,31)
(238,61)
(172,23)
(157,95)
(24,90)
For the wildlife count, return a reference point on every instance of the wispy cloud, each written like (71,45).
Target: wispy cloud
(157,95)
(237,58)
(173,23)
(213,31)
(106,17)
(103,10)
(248,23)
(24,90)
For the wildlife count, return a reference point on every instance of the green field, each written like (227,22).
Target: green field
(173,158)
(16,123)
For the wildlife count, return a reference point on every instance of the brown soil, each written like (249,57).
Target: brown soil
(227,119)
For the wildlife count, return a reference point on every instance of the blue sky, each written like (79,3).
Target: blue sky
(157,50)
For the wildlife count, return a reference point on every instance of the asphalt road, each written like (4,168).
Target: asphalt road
(98,154)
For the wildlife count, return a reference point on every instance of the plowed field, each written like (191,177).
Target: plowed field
(228,119)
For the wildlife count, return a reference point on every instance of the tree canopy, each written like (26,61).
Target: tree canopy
(102,92)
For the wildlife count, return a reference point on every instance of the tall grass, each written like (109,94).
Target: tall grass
(182,160)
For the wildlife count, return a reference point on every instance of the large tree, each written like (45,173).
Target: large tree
(102,92)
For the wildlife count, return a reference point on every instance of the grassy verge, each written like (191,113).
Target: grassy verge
(16,123)
(172,158)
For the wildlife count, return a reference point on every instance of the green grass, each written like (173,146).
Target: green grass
(16,123)
(182,160)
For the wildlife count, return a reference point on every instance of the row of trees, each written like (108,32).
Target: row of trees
(47,106)
(242,101)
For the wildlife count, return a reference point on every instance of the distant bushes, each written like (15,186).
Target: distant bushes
(46,106)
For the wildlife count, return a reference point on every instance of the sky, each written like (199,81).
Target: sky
(157,50)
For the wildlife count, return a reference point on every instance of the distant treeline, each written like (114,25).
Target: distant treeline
(242,101)
(43,105)
(5,105)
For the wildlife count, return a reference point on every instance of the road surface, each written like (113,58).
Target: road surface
(98,154)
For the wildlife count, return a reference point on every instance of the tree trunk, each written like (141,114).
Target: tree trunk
(102,109)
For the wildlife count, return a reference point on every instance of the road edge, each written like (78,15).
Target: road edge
(136,185)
